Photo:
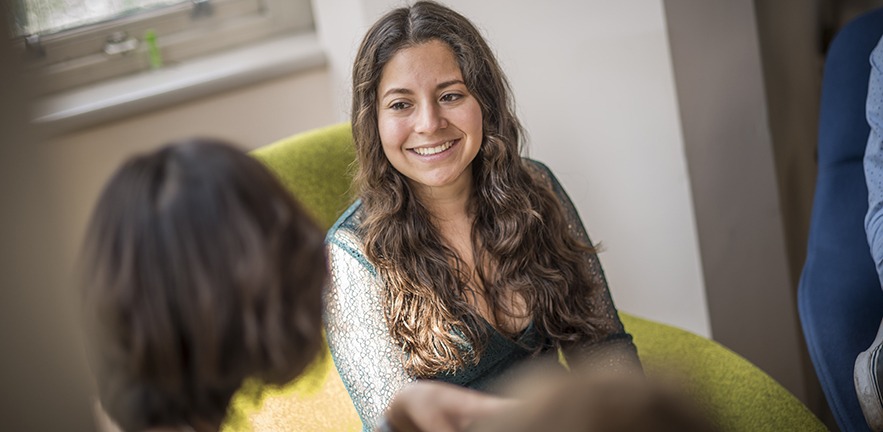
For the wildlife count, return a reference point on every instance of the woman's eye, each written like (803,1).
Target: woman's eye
(398,106)
(450,97)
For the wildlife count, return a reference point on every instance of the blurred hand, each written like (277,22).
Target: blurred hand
(432,406)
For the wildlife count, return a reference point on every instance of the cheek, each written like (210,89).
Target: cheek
(473,119)
(392,134)
(389,153)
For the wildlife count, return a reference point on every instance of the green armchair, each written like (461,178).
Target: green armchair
(316,167)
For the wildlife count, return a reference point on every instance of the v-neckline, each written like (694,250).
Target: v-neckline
(518,335)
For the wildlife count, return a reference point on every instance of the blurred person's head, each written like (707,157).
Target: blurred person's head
(201,271)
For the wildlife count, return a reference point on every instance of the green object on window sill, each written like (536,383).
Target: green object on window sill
(153,55)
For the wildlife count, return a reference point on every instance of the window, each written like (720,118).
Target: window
(79,42)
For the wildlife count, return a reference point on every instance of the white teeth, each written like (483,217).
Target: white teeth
(426,151)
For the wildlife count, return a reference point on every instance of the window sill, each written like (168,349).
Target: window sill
(118,98)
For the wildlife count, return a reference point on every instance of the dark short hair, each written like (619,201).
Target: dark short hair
(201,270)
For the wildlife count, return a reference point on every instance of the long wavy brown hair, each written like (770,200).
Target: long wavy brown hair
(520,235)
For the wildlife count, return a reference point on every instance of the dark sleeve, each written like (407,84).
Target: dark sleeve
(613,347)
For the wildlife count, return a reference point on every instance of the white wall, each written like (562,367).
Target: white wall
(594,86)
(726,126)
(43,366)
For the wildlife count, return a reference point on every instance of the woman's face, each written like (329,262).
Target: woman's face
(429,123)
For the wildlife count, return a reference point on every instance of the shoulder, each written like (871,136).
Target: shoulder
(535,165)
(540,172)
(349,221)
(544,177)
(345,236)
(877,54)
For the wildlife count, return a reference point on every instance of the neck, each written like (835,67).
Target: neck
(447,203)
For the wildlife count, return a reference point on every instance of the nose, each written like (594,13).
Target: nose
(430,119)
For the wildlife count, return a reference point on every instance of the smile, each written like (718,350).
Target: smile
(429,151)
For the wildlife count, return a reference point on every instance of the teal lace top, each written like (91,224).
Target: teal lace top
(370,361)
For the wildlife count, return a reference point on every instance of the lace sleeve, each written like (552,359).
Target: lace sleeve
(368,360)
(613,348)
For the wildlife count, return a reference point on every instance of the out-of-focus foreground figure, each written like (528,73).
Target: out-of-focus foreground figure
(201,271)
(594,402)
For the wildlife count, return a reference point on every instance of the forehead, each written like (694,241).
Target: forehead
(428,63)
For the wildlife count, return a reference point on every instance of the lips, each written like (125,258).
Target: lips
(429,151)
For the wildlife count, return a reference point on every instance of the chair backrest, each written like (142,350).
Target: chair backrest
(839,298)
(316,168)
(737,395)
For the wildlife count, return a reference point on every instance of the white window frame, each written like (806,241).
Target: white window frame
(77,57)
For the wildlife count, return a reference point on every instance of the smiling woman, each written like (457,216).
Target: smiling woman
(461,259)
(429,123)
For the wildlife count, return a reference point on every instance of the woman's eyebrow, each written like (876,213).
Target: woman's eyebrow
(449,83)
(400,90)
(397,91)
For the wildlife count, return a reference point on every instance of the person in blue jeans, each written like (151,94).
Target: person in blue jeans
(868,364)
